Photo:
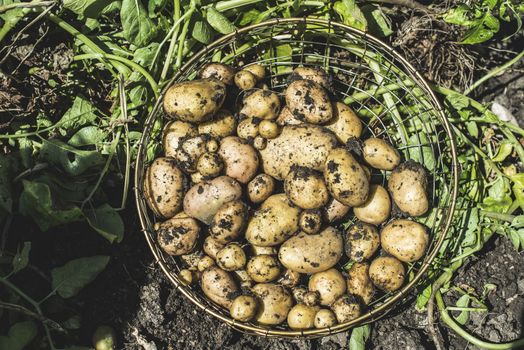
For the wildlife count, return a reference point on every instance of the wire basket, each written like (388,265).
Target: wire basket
(389,95)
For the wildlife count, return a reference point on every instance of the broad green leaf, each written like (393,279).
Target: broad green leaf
(515,238)
(25,149)
(82,112)
(202,32)
(378,23)
(463,317)
(106,221)
(491,3)
(144,55)
(491,22)
(69,279)
(87,136)
(73,161)
(518,188)
(459,15)
(154,5)
(470,227)
(137,27)
(423,298)
(518,221)
(6,171)
(351,14)
(477,35)
(21,258)
(70,189)
(249,17)
(219,22)
(359,337)
(503,152)
(86,8)
(499,199)
(458,101)
(472,128)
(19,336)
(12,17)
(421,152)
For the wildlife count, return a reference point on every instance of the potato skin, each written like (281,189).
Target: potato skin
(345,123)
(220,71)
(240,159)
(223,124)
(211,247)
(345,178)
(189,151)
(219,286)
(178,235)
(274,222)
(229,221)
(359,283)
(330,284)
(275,303)
(164,187)
(316,75)
(325,318)
(377,207)
(289,278)
(232,257)
(262,104)
(257,70)
(263,268)
(174,132)
(361,241)
(380,154)
(244,308)
(302,316)
(305,188)
(309,102)
(335,210)
(247,129)
(406,240)
(285,117)
(209,165)
(387,273)
(346,308)
(194,101)
(260,188)
(407,185)
(310,221)
(245,80)
(312,253)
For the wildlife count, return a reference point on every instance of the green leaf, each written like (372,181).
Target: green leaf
(518,221)
(69,279)
(351,14)
(458,101)
(21,258)
(82,112)
(477,35)
(36,202)
(518,189)
(499,199)
(491,22)
(154,5)
(378,23)
(463,317)
(73,161)
(515,238)
(359,337)
(219,22)
(503,152)
(144,55)
(106,221)
(459,15)
(137,27)
(87,136)
(472,128)
(6,171)
(249,17)
(423,298)
(74,322)
(19,336)
(420,150)
(25,148)
(86,8)
(202,32)
(11,17)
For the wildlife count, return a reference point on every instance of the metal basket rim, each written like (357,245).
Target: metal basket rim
(372,314)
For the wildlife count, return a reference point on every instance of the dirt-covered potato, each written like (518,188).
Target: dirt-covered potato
(377,207)
(178,235)
(244,308)
(262,104)
(189,151)
(317,75)
(346,308)
(303,145)
(359,283)
(310,221)
(285,117)
(263,268)
(232,257)
(212,145)
(334,210)
(194,101)
(210,165)
(407,184)
(312,253)
(204,199)
(219,286)
(245,80)
(258,250)
(387,273)
(311,298)
(220,71)
(260,188)
(246,282)
(229,221)
(240,158)
(257,70)
(186,276)
(306,188)
(247,129)
(205,262)
(302,316)
(329,284)
(174,132)
(191,260)
(325,318)
(164,187)
(259,142)
(211,246)
(289,278)
(268,129)
(197,178)
(275,303)
(299,293)
(274,222)
(345,178)
(345,123)
(406,240)
(308,101)
(380,154)
(223,124)
(361,241)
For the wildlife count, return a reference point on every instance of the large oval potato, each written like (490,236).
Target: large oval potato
(178,235)
(359,283)
(309,102)
(262,104)
(406,240)
(377,207)
(274,222)
(345,123)
(387,273)
(194,101)
(362,241)
(312,253)
(330,285)
(164,187)
(174,132)
(345,178)
(302,145)
(229,221)
(275,303)
(203,200)
(240,158)
(380,154)
(306,188)
(302,316)
(407,185)
(219,286)
(223,124)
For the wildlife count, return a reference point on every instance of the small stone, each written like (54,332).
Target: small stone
(494,336)
(520,284)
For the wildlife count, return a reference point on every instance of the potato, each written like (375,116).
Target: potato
(191,260)
(212,146)
(406,240)
(289,278)
(260,188)
(330,284)
(178,235)
(194,101)
(325,318)
(204,199)
(189,151)
(173,133)
(309,102)
(246,282)
(263,268)
(258,250)
(104,338)
(212,246)
(361,241)
(209,165)
(268,129)
(274,222)
(345,178)
(220,71)
(377,207)
(223,124)
(285,117)
(244,308)
(306,188)
(259,142)
(359,283)
(240,159)
(302,145)
(316,75)
(346,308)
(204,263)
(310,221)
(387,273)
(245,80)
(407,185)
(219,286)
(302,316)
(345,123)
(275,303)
(231,257)
(164,187)
(299,293)
(312,253)
(262,104)
(197,178)
(186,277)
(380,154)
(257,70)
(311,298)
(229,221)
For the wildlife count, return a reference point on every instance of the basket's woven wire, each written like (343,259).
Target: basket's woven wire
(360,64)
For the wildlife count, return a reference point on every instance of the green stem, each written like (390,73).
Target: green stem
(363,95)
(183,35)
(231,4)
(497,216)
(32,4)
(474,309)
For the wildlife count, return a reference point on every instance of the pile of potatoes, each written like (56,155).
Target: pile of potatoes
(254,184)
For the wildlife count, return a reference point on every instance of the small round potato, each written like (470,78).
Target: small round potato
(317,75)
(285,117)
(258,250)
(325,318)
(178,235)
(302,316)
(245,80)
(244,308)
(275,303)
(407,185)
(268,129)
(223,124)
(197,178)
(361,241)
(240,159)
(173,133)
(311,298)
(263,104)
(219,286)
(260,188)
(299,293)
(220,71)
(231,257)
(309,102)
(247,129)
(377,207)
(345,123)
(212,146)
(259,142)
(334,210)
(387,273)
(406,240)
(263,268)
(306,188)
(310,221)
(229,221)
(289,278)
(257,70)
(346,308)
(205,262)
(209,165)
(380,154)
(186,276)
(212,246)
(359,283)
(329,284)
(189,151)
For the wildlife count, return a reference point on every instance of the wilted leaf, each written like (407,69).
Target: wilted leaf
(73,161)
(137,27)
(106,221)
(219,22)
(21,258)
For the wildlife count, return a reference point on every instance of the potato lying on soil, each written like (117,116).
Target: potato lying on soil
(232,257)
(223,124)
(334,210)
(387,273)
(263,268)
(220,71)
(346,308)
(310,221)
(361,241)
(330,284)
(325,318)
(316,75)
(289,278)
(244,308)
(260,188)
(189,151)
(219,286)
(302,316)
(245,80)
(178,235)
(275,303)
(309,102)
(229,221)
(312,253)
(377,207)
(345,123)
(406,240)
(306,188)
(380,154)
(262,104)
(194,101)
(285,117)
(174,132)
(359,283)
(407,185)
(240,159)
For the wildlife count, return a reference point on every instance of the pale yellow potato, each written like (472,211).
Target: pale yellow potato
(240,159)
(263,268)
(204,263)
(211,246)
(209,165)
(335,210)
(257,70)
(345,123)
(285,117)
(174,132)
(311,298)
(189,151)
(229,221)
(258,250)
(289,278)
(361,241)
(325,318)
(223,124)
(317,75)
(377,207)
(260,188)
(262,104)
(178,235)
(306,188)
(186,276)
(309,102)
(248,128)
(259,142)
(244,308)
(275,303)
(219,286)
(232,257)
(380,154)
(346,308)
(245,80)
(220,71)
(408,187)
(359,283)
(302,316)
(406,240)
(387,273)
(268,129)
(329,284)
(310,221)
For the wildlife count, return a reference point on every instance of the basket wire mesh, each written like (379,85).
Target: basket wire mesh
(392,99)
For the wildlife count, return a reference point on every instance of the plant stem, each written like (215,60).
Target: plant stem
(31,4)
(497,216)
(231,4)
(182,39)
